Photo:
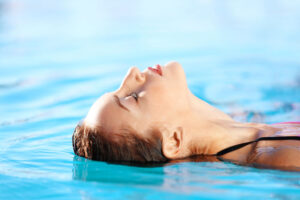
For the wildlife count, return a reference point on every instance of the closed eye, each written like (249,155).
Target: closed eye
(135,96)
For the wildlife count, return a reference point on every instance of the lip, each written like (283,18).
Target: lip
(157,69)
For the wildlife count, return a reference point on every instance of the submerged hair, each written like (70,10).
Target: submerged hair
(97,144)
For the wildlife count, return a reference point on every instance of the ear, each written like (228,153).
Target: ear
(172,143)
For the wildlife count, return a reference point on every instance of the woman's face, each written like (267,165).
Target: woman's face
(144,100)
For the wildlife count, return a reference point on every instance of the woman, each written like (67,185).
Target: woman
(154,117)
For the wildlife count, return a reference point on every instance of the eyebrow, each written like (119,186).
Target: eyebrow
(117,100)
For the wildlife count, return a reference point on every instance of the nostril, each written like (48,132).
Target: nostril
(134,74)
(140,76)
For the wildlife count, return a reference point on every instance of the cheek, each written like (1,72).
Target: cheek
(165,101)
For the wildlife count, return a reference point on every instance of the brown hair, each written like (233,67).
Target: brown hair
(98,144)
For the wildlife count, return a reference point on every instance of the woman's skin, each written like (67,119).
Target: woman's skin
(186,124)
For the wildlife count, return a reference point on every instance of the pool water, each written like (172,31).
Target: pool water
(57,57)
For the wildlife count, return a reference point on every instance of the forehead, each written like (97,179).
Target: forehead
(107,114)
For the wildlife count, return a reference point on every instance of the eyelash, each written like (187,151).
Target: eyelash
(135,96)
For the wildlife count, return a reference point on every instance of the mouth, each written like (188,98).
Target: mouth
(157,69)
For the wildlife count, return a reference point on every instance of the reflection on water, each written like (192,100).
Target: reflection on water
(88,170)
(211,179)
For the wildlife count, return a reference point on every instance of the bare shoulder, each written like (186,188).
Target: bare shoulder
(279,154)
(278,157)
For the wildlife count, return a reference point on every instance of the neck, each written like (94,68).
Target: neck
(210,130)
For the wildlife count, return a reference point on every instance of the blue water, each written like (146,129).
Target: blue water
(57,57)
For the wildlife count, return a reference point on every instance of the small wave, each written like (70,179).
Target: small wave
(10,85)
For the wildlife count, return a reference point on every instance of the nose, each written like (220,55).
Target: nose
(136,74)
(133,79)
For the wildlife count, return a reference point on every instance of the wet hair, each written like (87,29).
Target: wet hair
(125,146)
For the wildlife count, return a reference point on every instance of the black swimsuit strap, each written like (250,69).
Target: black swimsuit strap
(238,146)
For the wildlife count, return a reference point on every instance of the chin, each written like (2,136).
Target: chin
(176,71)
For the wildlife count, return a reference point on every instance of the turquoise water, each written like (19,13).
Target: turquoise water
(57,57)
